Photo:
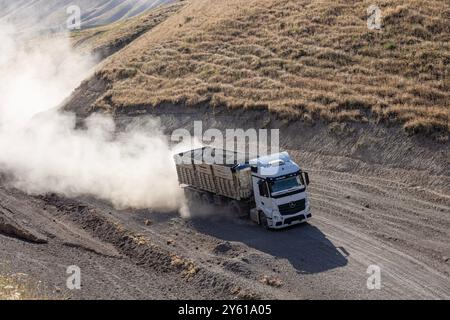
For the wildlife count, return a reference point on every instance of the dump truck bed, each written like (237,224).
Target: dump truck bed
(229,177)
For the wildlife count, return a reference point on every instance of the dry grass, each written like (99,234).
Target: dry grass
(15,287)
(188,268)
(302,59)
(242,294)
(271,281)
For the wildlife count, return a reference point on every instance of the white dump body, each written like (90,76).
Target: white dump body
(227,178)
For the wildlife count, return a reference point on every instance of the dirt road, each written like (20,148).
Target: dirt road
(358,221)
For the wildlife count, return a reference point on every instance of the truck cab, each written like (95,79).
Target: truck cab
(279,187)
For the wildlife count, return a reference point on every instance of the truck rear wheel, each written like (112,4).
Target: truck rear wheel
(206,199)
(236,209)
(193,197)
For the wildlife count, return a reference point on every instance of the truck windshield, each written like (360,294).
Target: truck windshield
(285,184)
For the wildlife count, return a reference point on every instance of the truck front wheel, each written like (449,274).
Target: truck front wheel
(263,220)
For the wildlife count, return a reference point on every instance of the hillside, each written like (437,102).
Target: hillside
(303,60)
(364,112)
(108,39)
(44,14)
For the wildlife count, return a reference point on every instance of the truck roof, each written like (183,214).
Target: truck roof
(279,164)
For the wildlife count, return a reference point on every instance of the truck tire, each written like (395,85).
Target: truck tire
(194,197)
(236,209)
(206,199)
(263,221)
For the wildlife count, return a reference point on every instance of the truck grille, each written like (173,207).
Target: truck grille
(292,207)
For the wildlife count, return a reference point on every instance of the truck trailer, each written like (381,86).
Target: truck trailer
(270,190)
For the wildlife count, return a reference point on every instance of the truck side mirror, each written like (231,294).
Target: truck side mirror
(306,175)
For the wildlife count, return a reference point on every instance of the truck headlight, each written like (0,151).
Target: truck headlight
(276,215)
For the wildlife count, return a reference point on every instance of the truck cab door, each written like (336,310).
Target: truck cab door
(264,194)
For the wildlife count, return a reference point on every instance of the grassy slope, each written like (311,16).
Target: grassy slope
(305,60)
(108,39)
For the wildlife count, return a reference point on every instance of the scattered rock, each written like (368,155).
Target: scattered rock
(238,267)
(223,248)
(271,281)
(392,238)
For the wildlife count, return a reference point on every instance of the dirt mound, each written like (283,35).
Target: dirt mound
(11,228)
(132,245)
(223,248)
(143,252)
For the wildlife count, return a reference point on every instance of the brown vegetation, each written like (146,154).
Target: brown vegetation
(271,281)
(189,269)
(14,287)
(302,59)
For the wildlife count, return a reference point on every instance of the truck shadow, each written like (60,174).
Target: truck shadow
(304,246)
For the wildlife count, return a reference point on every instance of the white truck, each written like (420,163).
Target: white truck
(271,190)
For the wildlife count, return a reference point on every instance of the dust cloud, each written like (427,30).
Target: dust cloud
(43,152)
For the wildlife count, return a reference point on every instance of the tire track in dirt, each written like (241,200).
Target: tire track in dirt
(406,277)
(396,220)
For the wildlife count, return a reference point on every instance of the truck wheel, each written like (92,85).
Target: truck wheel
(206,199)
(195,198)
(263,220)
(235,209)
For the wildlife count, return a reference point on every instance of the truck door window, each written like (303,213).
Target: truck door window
(263,191)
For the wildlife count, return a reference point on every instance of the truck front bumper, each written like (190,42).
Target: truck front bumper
(291,220)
